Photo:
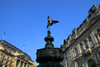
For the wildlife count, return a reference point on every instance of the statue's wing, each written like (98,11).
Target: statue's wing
(55,22)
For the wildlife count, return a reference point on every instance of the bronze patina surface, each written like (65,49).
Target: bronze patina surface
(49,56)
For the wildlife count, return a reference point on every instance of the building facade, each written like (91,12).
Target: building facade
(82,47)
(10,56)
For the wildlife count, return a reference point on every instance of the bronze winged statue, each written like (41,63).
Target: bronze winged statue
(51,22)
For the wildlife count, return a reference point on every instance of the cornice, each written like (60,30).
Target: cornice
(89,26)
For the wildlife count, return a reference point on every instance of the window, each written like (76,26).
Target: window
(66,54)
(18,61)
(25,65)
(86,45)
(1,56)
(98,32)
(0,65)
(21,64)
(81,62)
(6,62)
(90,41)
(81,45)
(78,64)
(98,54)
(97,38)
(2,61)
(76,51)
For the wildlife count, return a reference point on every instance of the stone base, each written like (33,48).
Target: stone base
(50,64)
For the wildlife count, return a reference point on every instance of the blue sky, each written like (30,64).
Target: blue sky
(24,21)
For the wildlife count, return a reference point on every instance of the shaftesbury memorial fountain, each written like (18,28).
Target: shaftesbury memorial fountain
(49,56)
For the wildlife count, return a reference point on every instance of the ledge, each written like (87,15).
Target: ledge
(87,52)
(77,57)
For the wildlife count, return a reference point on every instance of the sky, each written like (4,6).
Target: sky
(25,21)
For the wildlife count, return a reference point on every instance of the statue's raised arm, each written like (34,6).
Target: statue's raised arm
(51,22)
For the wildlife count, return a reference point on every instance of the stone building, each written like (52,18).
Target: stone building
(82,47)
(10,56)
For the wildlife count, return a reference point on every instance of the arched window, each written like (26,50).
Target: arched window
(90,41)
(91,63)
(86,45)
(81,45)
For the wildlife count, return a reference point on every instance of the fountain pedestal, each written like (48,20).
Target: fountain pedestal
(49,56)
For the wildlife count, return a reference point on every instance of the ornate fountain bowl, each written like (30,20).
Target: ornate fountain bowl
(49,54)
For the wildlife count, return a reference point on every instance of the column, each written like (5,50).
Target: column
(73,49)
(15,61)
(23,64)
(9,63)
(83,45)
(88,42)
(4,63)
(66,62)
(98,41)
(0,57)
(74,64)
(80,51)
(19,63)
(89,47)
(27,65)
(93,38)
(98,37)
